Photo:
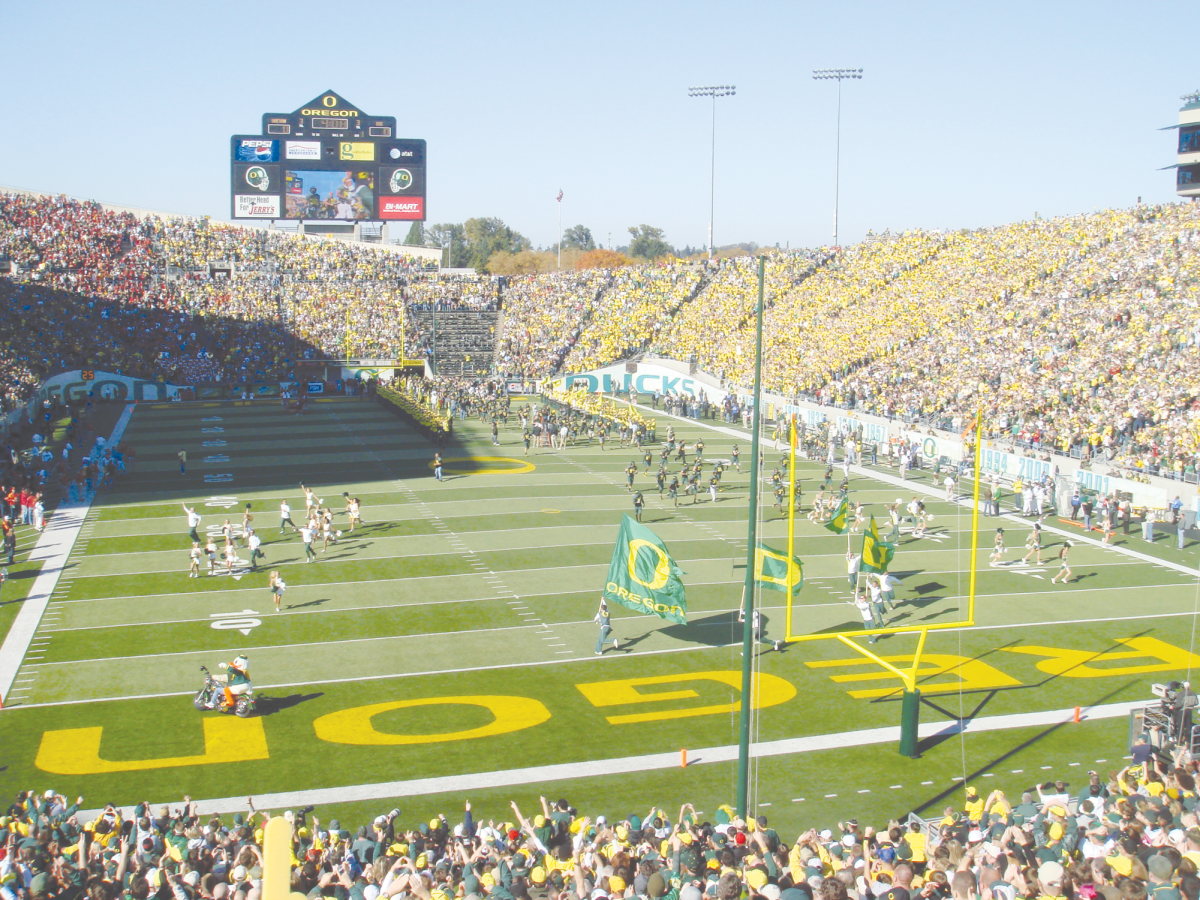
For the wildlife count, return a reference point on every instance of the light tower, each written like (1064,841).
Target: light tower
(838,75)
(714,91)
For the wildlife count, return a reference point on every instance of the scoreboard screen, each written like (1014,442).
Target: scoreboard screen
(327,160)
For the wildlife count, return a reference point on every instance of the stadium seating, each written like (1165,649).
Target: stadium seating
(1047,842)
(1076,334)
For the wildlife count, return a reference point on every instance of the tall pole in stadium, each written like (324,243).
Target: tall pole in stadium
(751,552)
(791,526)
(714,91)
(837,75)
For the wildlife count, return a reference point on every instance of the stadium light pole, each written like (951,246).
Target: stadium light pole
(838,75)
(743,771)
(714,91)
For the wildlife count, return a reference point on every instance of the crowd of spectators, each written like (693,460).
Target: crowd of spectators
(638,302)
(1078,334)
(713,328)
(544,316)
(185,299)
(1131,836)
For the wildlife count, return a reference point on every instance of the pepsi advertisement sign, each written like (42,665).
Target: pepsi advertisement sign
(259,151)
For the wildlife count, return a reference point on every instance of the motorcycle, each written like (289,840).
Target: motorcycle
(212,696)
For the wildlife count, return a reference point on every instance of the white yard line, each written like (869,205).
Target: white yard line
(607,768)
(518,665)
(53,547)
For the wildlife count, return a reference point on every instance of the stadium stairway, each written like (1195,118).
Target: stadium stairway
(466,339)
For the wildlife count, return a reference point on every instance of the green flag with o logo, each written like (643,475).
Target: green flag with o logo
(642,575)
(876,552)
(839,523)
(774,570)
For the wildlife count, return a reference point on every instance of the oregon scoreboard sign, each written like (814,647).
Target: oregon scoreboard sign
(327,160)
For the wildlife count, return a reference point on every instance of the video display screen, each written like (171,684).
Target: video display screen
(339,194)
(361,174)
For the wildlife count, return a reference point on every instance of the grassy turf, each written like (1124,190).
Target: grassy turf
(485,585)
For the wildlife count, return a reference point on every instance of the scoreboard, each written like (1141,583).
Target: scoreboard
(327,160)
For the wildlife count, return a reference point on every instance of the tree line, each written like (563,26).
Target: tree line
(488,245)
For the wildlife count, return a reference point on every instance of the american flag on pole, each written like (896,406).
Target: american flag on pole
(560,195)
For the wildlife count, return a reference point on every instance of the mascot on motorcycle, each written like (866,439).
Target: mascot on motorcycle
(236,680)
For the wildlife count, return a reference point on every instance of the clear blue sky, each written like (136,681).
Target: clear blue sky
(968,114)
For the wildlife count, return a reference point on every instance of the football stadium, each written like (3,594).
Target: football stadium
(860,570)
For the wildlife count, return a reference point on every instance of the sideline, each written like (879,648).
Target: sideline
(606,768)
(934,492)
(53,547)
(1074,537)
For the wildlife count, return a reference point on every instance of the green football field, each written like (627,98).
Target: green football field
(446,650)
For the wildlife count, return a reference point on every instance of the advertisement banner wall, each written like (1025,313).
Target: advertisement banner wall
(646,380)
(995,457)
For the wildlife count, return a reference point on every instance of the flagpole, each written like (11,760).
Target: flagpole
(751,545)
(560,228)
(791,545)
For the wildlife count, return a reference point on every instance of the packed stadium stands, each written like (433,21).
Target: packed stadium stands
(1121,837)
(1077,334)
(544,315)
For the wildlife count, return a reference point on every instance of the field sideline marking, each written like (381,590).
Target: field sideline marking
(940,494)
(549,662)
(736,491)
(398,607)
(491,597)
(329,561)
(965,503)
(58,540)
(459,784)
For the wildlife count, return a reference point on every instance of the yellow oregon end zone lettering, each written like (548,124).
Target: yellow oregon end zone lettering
(1076,663)
(353,726)
(767,690)
(519,466)
(76,751)
(968,674)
